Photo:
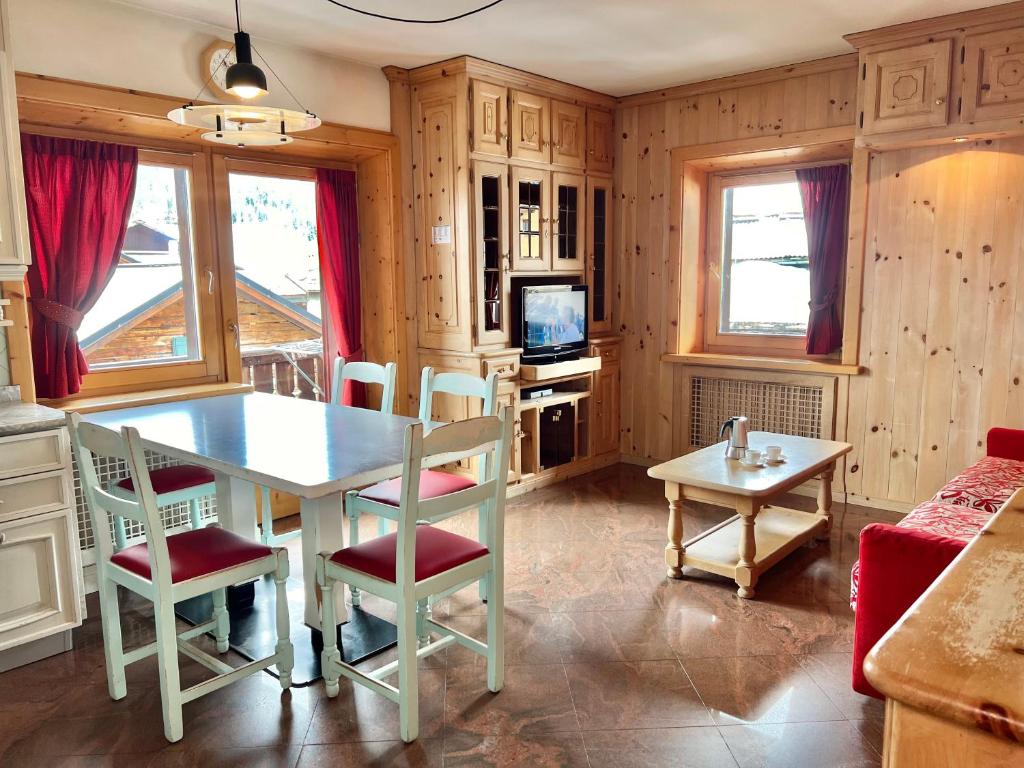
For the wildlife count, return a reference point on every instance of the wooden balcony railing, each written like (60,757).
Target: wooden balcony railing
(292,369)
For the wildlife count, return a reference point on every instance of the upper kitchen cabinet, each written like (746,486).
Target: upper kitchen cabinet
(568,135)
(906,88)
(600,148)
(14,249)
(490,119)
(993,75)
(530,118)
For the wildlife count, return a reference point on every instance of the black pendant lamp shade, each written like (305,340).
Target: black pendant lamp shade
(244,79)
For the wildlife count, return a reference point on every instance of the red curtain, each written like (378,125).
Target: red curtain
(338,234)
(824,190)
(79,196)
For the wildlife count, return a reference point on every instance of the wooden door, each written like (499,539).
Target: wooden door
(599,254)
(568,135)
(906,88)
(531,224)
(492,259)
(568,222)
(600,127)
(490,118)
(606,410)
(530,139)
(993,75)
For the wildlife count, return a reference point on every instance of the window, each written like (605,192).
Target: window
(758,280)
(277,278)
(155,323)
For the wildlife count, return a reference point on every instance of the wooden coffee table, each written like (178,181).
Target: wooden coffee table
(745,546)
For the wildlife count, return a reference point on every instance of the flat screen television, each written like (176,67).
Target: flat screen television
(554,322)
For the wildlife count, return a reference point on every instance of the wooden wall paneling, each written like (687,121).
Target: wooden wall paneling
(662,287)
(728,122)
(917,235)
(1014,415)
(816,87)
(842,100)
(966,433)
(794,104)
(707,117)
(943,293)
(772,108)
(626,275)
(748,112)
(640,338)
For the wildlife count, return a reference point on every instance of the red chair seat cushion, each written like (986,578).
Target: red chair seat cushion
(195,553)
(170,479)
(437,551)
(432,484)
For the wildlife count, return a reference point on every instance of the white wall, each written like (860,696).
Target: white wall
(104,42)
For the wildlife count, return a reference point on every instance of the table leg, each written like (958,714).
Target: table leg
(321,532)
(674,550)
(825,500)
(746,575)
(236,505)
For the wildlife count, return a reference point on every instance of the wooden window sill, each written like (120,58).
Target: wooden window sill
(752,363)
(150,397)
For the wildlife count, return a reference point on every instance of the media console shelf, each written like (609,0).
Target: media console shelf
(559,370)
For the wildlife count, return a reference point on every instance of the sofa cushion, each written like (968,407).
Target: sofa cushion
(984,485)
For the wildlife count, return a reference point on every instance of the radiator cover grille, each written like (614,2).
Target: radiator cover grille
(793,405)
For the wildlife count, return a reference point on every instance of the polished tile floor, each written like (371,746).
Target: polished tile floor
(608,664)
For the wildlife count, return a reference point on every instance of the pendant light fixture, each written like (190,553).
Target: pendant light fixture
(245,125)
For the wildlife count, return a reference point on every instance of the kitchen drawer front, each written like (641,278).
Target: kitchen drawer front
(39,593)
(33,453)
(505,367)
(35,494)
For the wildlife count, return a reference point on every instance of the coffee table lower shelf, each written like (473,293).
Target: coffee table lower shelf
(777,532)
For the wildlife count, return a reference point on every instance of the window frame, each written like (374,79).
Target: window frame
(209,367)
(724,342)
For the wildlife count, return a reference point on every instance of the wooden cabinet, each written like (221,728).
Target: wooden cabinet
(491,250)
(993,75)
(568,135)
(531,219)
(906,88)
(507,397)
(490,118)
(599,256)
(600,140)
(15,254)
(530,140)
(568,222)
(605,429)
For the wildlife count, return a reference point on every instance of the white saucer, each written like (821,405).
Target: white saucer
(759,465)
(780,460)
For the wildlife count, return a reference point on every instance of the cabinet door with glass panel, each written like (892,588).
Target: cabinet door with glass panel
(758,284)
(491,251)
(599,244)
(531,226)
(569,205)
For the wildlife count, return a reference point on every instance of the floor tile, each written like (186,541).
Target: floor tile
(523,750)
(640,694)
(422,753)
(800,745)
(759,689)
(611,636)
(694,747)
(832,673)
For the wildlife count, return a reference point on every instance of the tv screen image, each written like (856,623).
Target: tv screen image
(554,317)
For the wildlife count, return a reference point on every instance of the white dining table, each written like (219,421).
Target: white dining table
(313,450)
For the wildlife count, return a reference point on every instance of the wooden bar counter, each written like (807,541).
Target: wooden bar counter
(952,668)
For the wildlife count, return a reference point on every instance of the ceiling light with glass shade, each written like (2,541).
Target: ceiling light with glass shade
(245,125)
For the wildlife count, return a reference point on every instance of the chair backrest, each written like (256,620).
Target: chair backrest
(489,437)
(367,373)
(460,384)
(90,441)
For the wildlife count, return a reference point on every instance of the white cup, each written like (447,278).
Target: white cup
(773,452)
(751,458)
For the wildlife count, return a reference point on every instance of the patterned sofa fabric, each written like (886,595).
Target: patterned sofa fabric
(984,485)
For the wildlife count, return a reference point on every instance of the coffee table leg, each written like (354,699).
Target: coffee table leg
(674,549)
(825,500)
(746,576)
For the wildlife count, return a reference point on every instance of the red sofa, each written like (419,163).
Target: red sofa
(898,562)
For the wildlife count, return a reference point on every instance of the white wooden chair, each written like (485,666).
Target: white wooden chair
(182,483)
(367,373)
(418,561)
(168,570)
(382,499)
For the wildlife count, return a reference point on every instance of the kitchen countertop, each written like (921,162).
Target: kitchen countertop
(18,418)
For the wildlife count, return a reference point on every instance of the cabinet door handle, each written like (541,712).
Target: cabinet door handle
(209,279)
(939,101)
(3,538)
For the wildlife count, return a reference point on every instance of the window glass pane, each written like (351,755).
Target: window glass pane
(147,313)
(277,283)
(765,280)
